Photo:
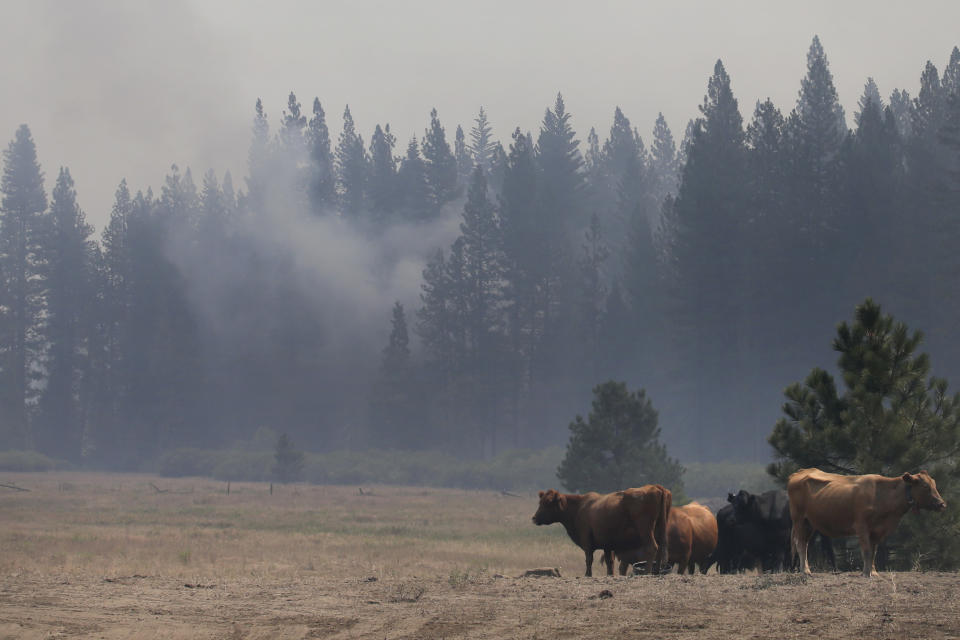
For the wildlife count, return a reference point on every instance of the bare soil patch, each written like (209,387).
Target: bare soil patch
(110,557)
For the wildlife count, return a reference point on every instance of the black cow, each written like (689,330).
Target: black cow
(769,513)
(736,543)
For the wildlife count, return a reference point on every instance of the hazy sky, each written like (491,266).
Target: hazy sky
(126,88)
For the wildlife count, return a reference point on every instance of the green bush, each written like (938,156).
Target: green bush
(15,460)
(618,445)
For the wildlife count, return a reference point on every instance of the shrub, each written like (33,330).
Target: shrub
(15,460)
(618,445)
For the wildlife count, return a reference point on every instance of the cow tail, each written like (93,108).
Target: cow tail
(660,533)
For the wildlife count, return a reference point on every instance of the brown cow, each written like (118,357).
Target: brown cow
(869,507)
(628,519)
(691,538)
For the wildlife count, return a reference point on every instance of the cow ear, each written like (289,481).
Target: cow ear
(924,472)
(730,497)
(907,478)
(541,494)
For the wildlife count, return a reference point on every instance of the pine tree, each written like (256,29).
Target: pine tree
(562,203)
(707,221)
(413,189)
(817,132)
(482,145)
(435,318)
(321,182)
(498,167)
(214,211)
(873,201)
(259,161)
(482,249)
(593,161)
(163,385)
(664,162)
(891,417)
(462,156)
(951,74)
(382,185)
(22,265)
(352,169)
(117,296)
(440,163)
(558,155)
(768,233)
(621,149)
(870,98)
(820,117)
(69,258)
(397,421)
(292,143)
(526,255)
(929,106)
(396,355)
(902,107)
(622,179)
(618,445)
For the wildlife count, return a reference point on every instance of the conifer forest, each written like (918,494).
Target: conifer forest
(458,293)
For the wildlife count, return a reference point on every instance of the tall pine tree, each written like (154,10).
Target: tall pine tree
(70,295)
(22,265)
(321,182)
(352,169)
(382,184)
(439,163)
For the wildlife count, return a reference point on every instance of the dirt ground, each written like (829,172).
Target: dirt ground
(781,606)
(108,556)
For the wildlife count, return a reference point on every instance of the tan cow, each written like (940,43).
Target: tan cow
(869,507)
(691,538)
(628,519)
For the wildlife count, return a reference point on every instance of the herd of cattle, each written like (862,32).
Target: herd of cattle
(768,531)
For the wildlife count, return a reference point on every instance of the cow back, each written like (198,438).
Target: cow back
(618,520)
(704,530)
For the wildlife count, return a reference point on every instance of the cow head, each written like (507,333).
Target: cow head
(552,506)
(922,489)
(745,506)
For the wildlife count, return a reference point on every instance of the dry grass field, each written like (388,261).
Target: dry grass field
(111,556)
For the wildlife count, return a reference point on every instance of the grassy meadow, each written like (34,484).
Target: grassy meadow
(126,524)
(111,556)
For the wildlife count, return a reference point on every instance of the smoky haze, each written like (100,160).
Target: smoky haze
(708,264)
(116,90)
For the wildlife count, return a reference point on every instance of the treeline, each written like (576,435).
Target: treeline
(707,272)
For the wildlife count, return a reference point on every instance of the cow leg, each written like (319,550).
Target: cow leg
(799,540)
(826,546)
(588,553)
(874,547)
(868,550)
(653,554)
(608,558)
